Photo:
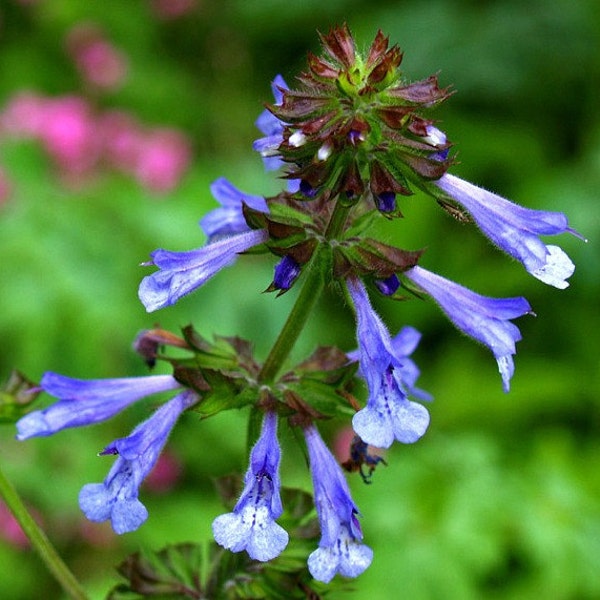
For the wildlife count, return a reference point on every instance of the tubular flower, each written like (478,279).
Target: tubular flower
(389,414)
(272,127)
(516,229)
(229,219)
(340,549)
(182,272)
(486,320)
(251,526)
(83,402)
(117,498)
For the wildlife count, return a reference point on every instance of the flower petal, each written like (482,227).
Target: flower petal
(182,272)
(484,319)
(516,229)
(83,402)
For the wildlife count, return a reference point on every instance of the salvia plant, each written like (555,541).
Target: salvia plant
(351,137)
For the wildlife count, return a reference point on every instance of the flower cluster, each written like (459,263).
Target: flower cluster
(353,136)
(84,402)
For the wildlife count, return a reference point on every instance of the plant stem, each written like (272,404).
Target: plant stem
(40,541)
(311,290)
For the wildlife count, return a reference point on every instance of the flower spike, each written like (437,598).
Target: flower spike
(251,526)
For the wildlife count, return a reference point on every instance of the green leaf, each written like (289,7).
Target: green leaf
(321,397)
(169,574)
(227,391)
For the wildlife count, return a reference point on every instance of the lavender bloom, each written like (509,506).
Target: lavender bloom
(228,219)
(437,138)
(272,127)
(340,549)
(386,202)
(182,272)
(486,320)
(117,498)
(388,286)
(404,343)
(388,414)
(516,229)
(251,526)
(83,402)
(286,272)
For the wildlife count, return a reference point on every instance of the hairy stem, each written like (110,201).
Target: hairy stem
(40,542)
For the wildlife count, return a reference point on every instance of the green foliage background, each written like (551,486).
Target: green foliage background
(501,498)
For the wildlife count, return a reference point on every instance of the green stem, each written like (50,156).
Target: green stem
(311,290)
(40,542)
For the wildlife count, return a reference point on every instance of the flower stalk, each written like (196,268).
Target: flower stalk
(40,541)
(307,298)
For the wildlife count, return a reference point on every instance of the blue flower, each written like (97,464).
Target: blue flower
(389,414)
(117,498)
(516,229)
(286,272)
(251,526)
(404,343)
(437,138)
(486,320)
(229,219)
(340,549)
(182,272)
(83,402)
(272,127)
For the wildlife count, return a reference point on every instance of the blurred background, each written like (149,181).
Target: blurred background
(114,119)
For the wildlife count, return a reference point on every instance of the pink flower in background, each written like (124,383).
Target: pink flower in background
(99,63)
(79,139)
(121,140)
(163,157)
(69,134)
(24,115)
(10,530)
(157,158)
(166,473)
(173,9)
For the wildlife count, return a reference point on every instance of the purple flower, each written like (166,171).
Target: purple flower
(386,202)
(516,230)
(286,272)
(404,343)
(182,272)
(388,286)
(117,498)
(389,414)
(437,138)
(83,402)
(272,127)
(486,320)
(340,549)
(251,526)
(229,219)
